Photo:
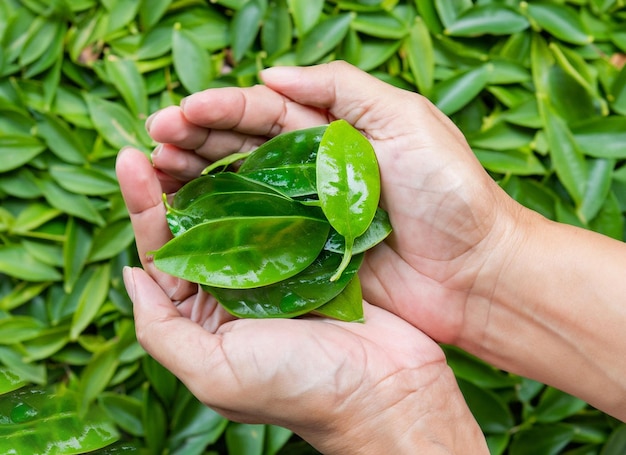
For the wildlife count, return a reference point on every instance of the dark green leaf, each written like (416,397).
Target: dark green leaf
(322,39)
(545,440)
(616,443)
(154,421)
(245,438)
(125,410)
(347,306)
(555,406)
(488,408)
(111,240)
(277,31)
(77,244)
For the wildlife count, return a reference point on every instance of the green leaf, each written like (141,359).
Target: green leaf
(77,244)
(618,93)
(616,443)
(277,31)
(151,11)
(245,27)
(602,137)
(116,125)
(70,203)
(322,39)
(15,261)
(91,298)
(16,329)
(380,25)
(192,63)
(17,150)
(124,410)
(111,240)
(450,10)
(421,57)
(597,188)
(305,14)
(452,94)
(33,216)
(161,380)
(21,370)
(555,406)
(348,183)
(10,380)
(80,180)
(245,438)
(545,440)
(488,408)
(125,76)
(47,421)
(347,306)
(490,19)
(559,20)
(474,370)
(97,373)
(154,421)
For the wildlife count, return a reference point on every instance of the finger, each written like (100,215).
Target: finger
(181,164)
(254,110)
(173,340)
(358,97)
(169,125)
(143,197)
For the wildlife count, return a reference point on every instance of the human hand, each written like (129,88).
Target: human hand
(447,213)
(344,387)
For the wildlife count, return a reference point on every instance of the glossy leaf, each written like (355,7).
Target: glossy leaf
(47,421)
(490,19)
(191,61)
(293,296)
(322,39)
(10,380)
(348,183)
(347,306)
(376,232)
(560,20)
(239,252)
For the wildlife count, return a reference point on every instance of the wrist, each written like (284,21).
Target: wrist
(422,413)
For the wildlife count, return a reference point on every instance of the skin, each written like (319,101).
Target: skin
(465,265)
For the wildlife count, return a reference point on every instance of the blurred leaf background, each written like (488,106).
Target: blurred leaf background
(538,87)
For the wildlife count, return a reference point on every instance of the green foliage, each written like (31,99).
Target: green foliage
(537,87)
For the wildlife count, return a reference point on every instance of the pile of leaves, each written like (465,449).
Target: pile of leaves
(538,87)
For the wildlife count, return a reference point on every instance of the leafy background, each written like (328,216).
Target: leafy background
(538,87)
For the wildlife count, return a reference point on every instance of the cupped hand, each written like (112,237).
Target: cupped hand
(439,266)
(344,387)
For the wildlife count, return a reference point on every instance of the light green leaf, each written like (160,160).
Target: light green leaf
(91,299)
(322,39)
(305,14)
(15,261)
(454,93)
(421,57)
(17,150)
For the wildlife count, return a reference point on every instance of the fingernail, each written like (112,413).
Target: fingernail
(280,73)
(149,121)
(183,102)
(156,151)
(129,281)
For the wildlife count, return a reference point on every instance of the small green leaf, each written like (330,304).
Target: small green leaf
(347,306)
(70,203)
(277,31)
(78,241)
(111,240)
(489,409)
(380,25)
(510,162)
(125,76)
(154,421)
(545,439)
(191,61)
(602,137)
(555,406)
(125,410)
(322,39)
(97,373)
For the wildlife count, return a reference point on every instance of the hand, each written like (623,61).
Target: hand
(344,387)
(446,211)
